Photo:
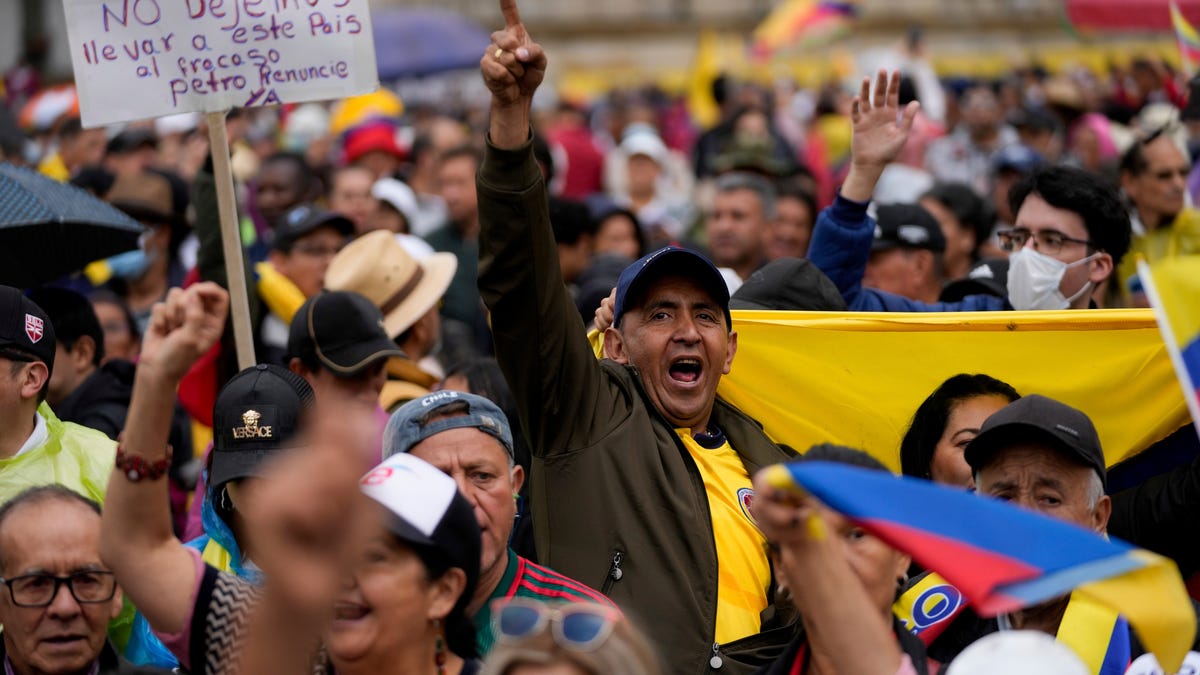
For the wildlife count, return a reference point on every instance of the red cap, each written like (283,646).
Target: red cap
(376,137)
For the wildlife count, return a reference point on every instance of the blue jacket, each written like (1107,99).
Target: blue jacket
(840,247)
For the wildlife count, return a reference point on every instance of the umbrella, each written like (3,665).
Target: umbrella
(50,229)
(425,41)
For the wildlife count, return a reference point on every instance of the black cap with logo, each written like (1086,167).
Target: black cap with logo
(256,415)
(25,330)
(1036,417)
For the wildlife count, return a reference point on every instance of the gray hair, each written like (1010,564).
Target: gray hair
(761,187)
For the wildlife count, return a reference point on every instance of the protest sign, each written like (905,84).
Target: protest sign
(138,59)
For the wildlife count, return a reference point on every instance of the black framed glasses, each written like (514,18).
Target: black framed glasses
(39,590)
(582,627)
(1045,241)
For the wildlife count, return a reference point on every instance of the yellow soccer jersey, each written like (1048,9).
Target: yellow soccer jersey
(744,573)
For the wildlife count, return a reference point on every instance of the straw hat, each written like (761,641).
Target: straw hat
(378,267)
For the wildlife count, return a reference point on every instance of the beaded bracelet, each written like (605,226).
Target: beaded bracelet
(136,468)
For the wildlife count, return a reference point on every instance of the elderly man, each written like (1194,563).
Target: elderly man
(468,438)
(641,475)
(35,446)
(906,256)
(1045,456)
(1154,175)
(60,596)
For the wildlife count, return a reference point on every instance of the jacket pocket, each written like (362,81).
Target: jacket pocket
(615,573)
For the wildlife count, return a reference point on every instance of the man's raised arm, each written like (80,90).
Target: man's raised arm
(539,336)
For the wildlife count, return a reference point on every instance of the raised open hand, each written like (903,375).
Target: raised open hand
(880,128)
(183,327)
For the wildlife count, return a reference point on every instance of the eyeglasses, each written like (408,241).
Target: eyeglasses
(582,627)
(39,590)
(1045,241)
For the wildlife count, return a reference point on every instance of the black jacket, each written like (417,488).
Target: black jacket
(101,402)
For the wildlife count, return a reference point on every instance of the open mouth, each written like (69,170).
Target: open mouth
(685,370)
(346,611)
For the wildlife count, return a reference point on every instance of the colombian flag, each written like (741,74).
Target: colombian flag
(1188,39)
(1173,286)
(856,378)
(1003,558)
(801,23)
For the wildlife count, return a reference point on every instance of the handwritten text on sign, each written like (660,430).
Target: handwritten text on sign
(136,59)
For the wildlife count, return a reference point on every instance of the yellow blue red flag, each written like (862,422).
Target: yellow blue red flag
(801,23)
(857,378)
(1004,558)
(1173,286)
(1188,39)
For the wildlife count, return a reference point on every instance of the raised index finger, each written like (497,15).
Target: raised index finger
(511,16)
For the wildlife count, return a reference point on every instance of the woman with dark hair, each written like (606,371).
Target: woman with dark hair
(946,422)
(966,220)
(403,610)
(618,233)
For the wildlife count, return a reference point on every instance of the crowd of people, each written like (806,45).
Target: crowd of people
(484,434)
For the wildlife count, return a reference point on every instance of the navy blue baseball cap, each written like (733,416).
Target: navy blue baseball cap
(669,260)
(1016,157)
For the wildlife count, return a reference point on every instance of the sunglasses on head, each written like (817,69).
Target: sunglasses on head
(581,627)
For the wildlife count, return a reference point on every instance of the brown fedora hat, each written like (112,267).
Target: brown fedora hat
(403,288)
(145,196)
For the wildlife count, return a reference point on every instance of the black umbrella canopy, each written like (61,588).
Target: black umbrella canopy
(50,229)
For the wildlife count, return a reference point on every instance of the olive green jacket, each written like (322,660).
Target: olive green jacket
(618,502)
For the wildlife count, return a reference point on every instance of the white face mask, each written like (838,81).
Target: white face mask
(1034,278)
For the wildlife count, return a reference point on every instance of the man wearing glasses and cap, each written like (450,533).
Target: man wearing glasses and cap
(1070,231)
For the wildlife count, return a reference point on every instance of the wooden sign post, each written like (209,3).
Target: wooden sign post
(140,59)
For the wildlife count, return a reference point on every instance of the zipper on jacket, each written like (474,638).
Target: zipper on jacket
(716,661)
(614,572)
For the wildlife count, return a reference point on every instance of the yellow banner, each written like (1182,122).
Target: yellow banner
(857,378)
